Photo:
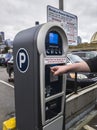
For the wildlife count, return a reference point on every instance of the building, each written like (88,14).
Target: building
(94,38)
(1,37)
(79,40)
(5,42)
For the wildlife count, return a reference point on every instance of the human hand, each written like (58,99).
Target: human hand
(56,70)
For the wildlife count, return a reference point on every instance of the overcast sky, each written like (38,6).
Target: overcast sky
(17,15)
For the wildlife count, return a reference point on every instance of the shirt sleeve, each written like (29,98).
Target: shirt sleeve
(92,63)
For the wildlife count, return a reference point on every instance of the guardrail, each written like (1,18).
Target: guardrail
(80,104)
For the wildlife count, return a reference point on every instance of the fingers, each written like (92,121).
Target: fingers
(57,70)
(54,70)
(56,73)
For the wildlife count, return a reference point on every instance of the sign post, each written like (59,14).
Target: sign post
(61,4)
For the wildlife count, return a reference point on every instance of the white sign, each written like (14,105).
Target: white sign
(54,60)
(68,21)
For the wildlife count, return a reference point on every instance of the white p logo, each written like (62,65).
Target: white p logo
(22,60)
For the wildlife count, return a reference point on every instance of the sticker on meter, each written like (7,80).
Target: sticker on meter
(22,60)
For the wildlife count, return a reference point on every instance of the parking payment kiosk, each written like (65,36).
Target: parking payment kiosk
(39,95)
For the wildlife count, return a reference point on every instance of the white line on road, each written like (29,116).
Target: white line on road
(87,127)
(1,81)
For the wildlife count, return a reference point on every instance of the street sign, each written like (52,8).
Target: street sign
(68,21)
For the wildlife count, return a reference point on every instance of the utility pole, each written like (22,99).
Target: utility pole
(61,4)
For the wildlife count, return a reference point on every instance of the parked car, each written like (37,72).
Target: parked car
(10,70)
(85,55)
(83,79)
(4,58)
(72,58)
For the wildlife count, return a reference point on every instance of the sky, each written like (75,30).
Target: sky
(17,15)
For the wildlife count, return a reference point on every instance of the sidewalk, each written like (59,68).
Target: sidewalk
(89,122)
(92,125)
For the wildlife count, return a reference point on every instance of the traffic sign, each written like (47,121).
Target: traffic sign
(22,60)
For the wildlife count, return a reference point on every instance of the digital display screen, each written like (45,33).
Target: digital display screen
(53,38)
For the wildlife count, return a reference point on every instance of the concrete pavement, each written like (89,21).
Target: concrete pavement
(7,107)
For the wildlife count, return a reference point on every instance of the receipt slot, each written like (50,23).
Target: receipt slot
(39,95)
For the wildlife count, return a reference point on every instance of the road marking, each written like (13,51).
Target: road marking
(87,127)
(1,81)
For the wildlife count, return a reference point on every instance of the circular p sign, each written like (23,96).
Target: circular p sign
(22,60)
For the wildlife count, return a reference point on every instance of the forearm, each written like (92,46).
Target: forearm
(78,67)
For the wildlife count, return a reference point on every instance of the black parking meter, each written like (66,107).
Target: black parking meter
(39,95)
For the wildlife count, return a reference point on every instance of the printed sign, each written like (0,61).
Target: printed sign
(68,21)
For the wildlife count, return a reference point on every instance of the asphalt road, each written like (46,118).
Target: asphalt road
(7,107)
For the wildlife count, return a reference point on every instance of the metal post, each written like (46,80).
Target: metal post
(75,83)
(61,4)
(36,23)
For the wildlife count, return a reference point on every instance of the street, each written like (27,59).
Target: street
(7,108)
